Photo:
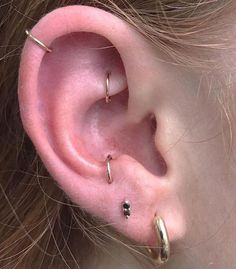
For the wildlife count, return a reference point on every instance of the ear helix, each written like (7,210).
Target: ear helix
(160,254)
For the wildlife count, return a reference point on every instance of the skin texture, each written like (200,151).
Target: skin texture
(178,168)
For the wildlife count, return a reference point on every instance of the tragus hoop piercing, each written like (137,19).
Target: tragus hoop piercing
(110,179)
(108,97)
(37,41)
(162,253)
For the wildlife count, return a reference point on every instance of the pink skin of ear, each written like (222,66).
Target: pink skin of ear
(56,93)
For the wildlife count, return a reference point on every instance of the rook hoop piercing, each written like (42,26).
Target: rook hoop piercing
(38,42)
(108,98)
(110,179)
(162,253)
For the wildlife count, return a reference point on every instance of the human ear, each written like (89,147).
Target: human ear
(63,110)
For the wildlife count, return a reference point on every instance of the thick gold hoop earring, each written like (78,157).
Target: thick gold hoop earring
(110,179)
(37,41)
(108,97)
(161,254)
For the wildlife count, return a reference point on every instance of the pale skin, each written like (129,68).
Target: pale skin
(64,112)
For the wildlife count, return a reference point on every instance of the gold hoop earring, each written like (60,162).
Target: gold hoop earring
(160,255)
(108,97)
(37,41)
(110,179)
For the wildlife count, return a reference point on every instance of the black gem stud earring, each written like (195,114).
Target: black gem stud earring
(126,209)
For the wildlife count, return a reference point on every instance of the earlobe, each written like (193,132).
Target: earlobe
(74,127)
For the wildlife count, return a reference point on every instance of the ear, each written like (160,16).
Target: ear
(63,109)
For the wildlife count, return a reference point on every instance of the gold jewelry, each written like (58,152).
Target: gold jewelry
(37,41)
(110,179)
(108,98)
(162,253)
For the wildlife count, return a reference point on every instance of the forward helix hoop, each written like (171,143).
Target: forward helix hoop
(37,41)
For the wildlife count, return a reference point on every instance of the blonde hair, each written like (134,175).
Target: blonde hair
(38,221)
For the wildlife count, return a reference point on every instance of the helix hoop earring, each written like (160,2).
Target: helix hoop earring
(37,41)
(108,97)
(160,255)
(108,159)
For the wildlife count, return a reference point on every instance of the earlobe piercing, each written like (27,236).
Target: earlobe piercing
(108,98)
(162,253)
(110,179)
(127,209)
(38,42)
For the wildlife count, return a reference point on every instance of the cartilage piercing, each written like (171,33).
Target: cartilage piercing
(37,41)
(108,159)
(108,97)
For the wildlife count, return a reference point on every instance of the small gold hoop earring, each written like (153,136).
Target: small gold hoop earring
(38,42)
(160,255)
(108,98)
(110,179)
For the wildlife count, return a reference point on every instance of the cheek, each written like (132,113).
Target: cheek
(206,181)
(195,135)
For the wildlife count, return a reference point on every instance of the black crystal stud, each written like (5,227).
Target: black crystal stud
(126,209)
